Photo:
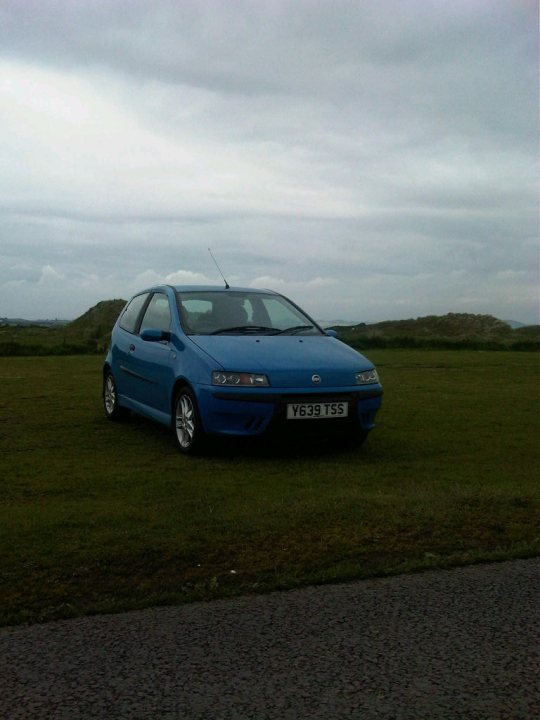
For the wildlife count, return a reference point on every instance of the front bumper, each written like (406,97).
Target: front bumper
(235,411)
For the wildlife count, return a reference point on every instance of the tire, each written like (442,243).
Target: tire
(113,411)
(187,426)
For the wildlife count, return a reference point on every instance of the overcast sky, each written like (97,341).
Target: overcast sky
(372,159)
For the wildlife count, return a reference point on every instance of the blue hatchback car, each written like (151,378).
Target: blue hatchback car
(234,361)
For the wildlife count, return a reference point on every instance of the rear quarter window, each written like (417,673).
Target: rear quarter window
(130,317)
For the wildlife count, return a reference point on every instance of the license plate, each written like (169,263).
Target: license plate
(315,411)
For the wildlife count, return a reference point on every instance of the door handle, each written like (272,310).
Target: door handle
(131,347)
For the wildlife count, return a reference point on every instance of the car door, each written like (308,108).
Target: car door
(151,361)
(124,339)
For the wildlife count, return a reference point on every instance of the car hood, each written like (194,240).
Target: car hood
(287,360)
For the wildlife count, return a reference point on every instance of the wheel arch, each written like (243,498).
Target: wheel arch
(179,384)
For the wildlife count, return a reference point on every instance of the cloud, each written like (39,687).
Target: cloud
(373,156)
(178,277)
(49,275)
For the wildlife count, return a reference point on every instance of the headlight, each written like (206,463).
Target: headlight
(368,377)
(239,379)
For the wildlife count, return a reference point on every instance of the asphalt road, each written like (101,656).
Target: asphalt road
(455,644)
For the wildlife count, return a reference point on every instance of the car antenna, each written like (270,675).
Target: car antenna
(222,275)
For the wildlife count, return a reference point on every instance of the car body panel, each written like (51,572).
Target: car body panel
(289,361)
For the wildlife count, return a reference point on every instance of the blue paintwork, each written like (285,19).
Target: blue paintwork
(148,370)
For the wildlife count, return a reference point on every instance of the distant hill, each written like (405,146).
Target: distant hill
(90,333)
(451,330)
(528,332)
(451,325)
(99,320)
(514,324)
(95,325)
(335,323)
(21,322)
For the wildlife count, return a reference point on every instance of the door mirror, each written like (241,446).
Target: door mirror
(331,333)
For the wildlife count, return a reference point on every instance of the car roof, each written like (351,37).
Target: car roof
(218,288)
(204,288)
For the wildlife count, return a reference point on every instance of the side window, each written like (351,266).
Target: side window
(128,321)
(158,314)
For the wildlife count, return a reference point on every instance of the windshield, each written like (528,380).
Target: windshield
(206,312)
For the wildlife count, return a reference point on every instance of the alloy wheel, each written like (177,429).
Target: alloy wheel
(185,421)
(109,395)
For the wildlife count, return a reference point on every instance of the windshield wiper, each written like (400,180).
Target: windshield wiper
(244,329)
(295,329)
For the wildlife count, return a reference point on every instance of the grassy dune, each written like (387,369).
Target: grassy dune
(97,516)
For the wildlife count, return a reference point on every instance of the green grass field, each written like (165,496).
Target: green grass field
(97,516)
